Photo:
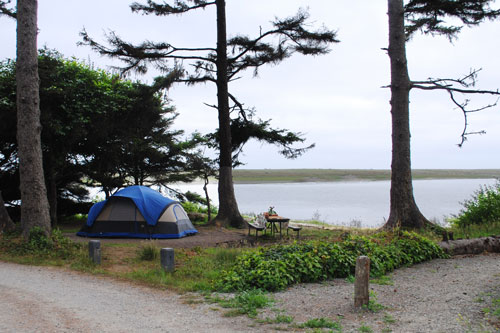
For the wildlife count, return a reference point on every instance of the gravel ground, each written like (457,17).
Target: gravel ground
(437,296)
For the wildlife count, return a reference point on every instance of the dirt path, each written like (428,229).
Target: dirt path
(206,237)
(437,296)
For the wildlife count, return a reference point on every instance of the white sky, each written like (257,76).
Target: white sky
(335,100)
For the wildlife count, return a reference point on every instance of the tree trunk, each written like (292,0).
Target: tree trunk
(205,189)
(34,203)
(51,183)
(6,223)
(52,197)
(404,211)
(229,214)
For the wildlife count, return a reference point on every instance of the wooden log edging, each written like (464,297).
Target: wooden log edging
(472,246)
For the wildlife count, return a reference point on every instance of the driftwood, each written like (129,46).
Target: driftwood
(471,246)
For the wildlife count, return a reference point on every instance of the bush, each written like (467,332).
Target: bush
(482,209)
(277,267)
(55,246)
(193,207)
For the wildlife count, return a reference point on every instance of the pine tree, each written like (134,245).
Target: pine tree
(221,65)
(35,205)
(428,17)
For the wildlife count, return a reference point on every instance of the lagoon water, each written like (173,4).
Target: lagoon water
(348,203)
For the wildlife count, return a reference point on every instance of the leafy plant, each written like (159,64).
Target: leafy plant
(482,209)
(276,267)
(195,207)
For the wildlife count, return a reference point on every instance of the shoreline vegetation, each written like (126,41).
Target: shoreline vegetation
(262,176)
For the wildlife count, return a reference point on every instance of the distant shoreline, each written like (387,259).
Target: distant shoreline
(262,176)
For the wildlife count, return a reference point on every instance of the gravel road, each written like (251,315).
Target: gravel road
(40,299)
(437,296)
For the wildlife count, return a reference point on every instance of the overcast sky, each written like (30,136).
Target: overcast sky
(336,100)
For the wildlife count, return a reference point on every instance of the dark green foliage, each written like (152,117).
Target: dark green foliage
(245,129)
(483,209)
(430,17)
(284,38)
(5,10)
(97,131)
(55,246)
(277,267)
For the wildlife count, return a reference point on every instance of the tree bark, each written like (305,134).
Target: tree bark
(229,214)
(404,211)
(34,203)
(6,223)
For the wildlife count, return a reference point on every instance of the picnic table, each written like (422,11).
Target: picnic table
(275,220)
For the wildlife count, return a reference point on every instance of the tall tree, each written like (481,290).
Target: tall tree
(34,206)
(428,17)
(221,65)
(97,130)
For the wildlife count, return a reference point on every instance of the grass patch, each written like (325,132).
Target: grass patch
(365,329)
(373,305)
(244,303)
(388,319)
(322,323)
(331,175)
(195,269)
(492,309)
(384,280)
(148,251)
(476,231)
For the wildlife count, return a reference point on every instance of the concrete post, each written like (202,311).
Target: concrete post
(95,251)
(361,284)
(167,259)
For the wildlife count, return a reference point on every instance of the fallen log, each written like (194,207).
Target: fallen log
(471,246)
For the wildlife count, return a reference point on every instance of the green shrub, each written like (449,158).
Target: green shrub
(193,207)
(482,209)
(39,245)
(38,241)
(276,267)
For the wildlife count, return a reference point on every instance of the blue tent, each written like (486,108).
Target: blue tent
(138,212)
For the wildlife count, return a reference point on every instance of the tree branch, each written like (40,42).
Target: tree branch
(449,85)
(166,9)
(136,57)
(6,11)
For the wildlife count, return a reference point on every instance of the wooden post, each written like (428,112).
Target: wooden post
(167,259)
(95,251)
(361,284)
